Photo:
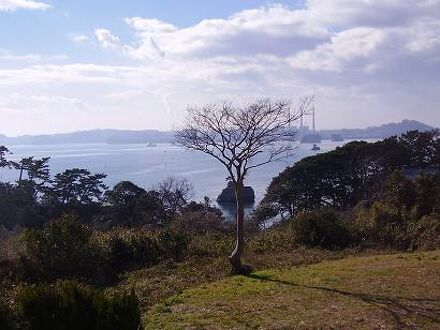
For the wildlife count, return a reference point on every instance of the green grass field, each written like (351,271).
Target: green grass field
(375,292)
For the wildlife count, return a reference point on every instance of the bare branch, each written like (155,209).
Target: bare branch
(235,136)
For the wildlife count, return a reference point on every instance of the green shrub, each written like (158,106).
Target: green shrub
(70,306)
(279,237)
(380,225)
(130,251)
(173,245)
(198,223)
(60,250)
(210,245)
(322,228)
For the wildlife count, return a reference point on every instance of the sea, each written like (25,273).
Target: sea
(146,165)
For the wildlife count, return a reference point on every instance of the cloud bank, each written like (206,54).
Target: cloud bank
(368,62)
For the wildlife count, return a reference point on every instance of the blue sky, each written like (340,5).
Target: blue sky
(47,32)
(70,65)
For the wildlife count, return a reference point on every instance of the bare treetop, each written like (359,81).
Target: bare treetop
(235,135)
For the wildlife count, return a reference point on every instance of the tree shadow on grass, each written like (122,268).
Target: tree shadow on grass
(395,306)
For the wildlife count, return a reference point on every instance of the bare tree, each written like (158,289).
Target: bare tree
(242,138)
(175,193)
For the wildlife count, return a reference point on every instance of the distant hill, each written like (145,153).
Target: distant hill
(113,136)
(110,136)
(378,132)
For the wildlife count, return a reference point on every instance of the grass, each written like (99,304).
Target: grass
(162,281)
(373,292)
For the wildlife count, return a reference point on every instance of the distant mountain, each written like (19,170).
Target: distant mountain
(377,132)
(110,136)
(113,136)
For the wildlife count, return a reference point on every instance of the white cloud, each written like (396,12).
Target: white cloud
(272,29)
(343,48)
(150,25)
(367,61)
(30,58)
(12,5)
(79,38)
(106,38)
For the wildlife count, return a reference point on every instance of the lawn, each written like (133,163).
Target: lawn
(374,292)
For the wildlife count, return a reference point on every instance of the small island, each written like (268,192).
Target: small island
(227,195)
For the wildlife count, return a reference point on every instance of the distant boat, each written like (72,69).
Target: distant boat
(151,144)
(316,147)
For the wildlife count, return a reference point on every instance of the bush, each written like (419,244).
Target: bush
(321,228)
(130,251)
(380,224)
(173,245)
(198,222)
(69,305)
(5,318)
(211,245)
(60,250)
(425,233)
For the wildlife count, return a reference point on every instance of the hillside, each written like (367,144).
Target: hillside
(390,291)
(114,136)
(92,136)
(378,132)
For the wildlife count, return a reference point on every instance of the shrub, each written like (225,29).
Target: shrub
(130,251)
(279,237)
(5,318)
(380,224)
(69,305)
(60,250)
(173,245)
(321,228)
(198,222)
(425,233)
(210,245)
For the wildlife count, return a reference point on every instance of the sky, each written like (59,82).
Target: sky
(138,64)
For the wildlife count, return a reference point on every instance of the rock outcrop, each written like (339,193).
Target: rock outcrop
(228,195)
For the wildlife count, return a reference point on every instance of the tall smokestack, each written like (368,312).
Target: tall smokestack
(314,127)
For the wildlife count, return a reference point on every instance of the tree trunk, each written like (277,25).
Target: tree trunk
(235,257)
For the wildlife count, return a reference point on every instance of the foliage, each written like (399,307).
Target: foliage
(425,233)
(424,147)
(37,169)
(173,245)
(131,205)
(5,318)
(3,160)
(60,250)
(69,305)
(131,251)
(380,225)
(210,244)
(77,186)
(321,228)
(19,206)
(349,174)
(194,223)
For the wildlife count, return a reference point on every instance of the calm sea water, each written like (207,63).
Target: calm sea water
(146,166)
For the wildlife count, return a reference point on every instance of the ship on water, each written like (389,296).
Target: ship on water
(315,147)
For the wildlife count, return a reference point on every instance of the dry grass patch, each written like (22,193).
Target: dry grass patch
(390,291)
